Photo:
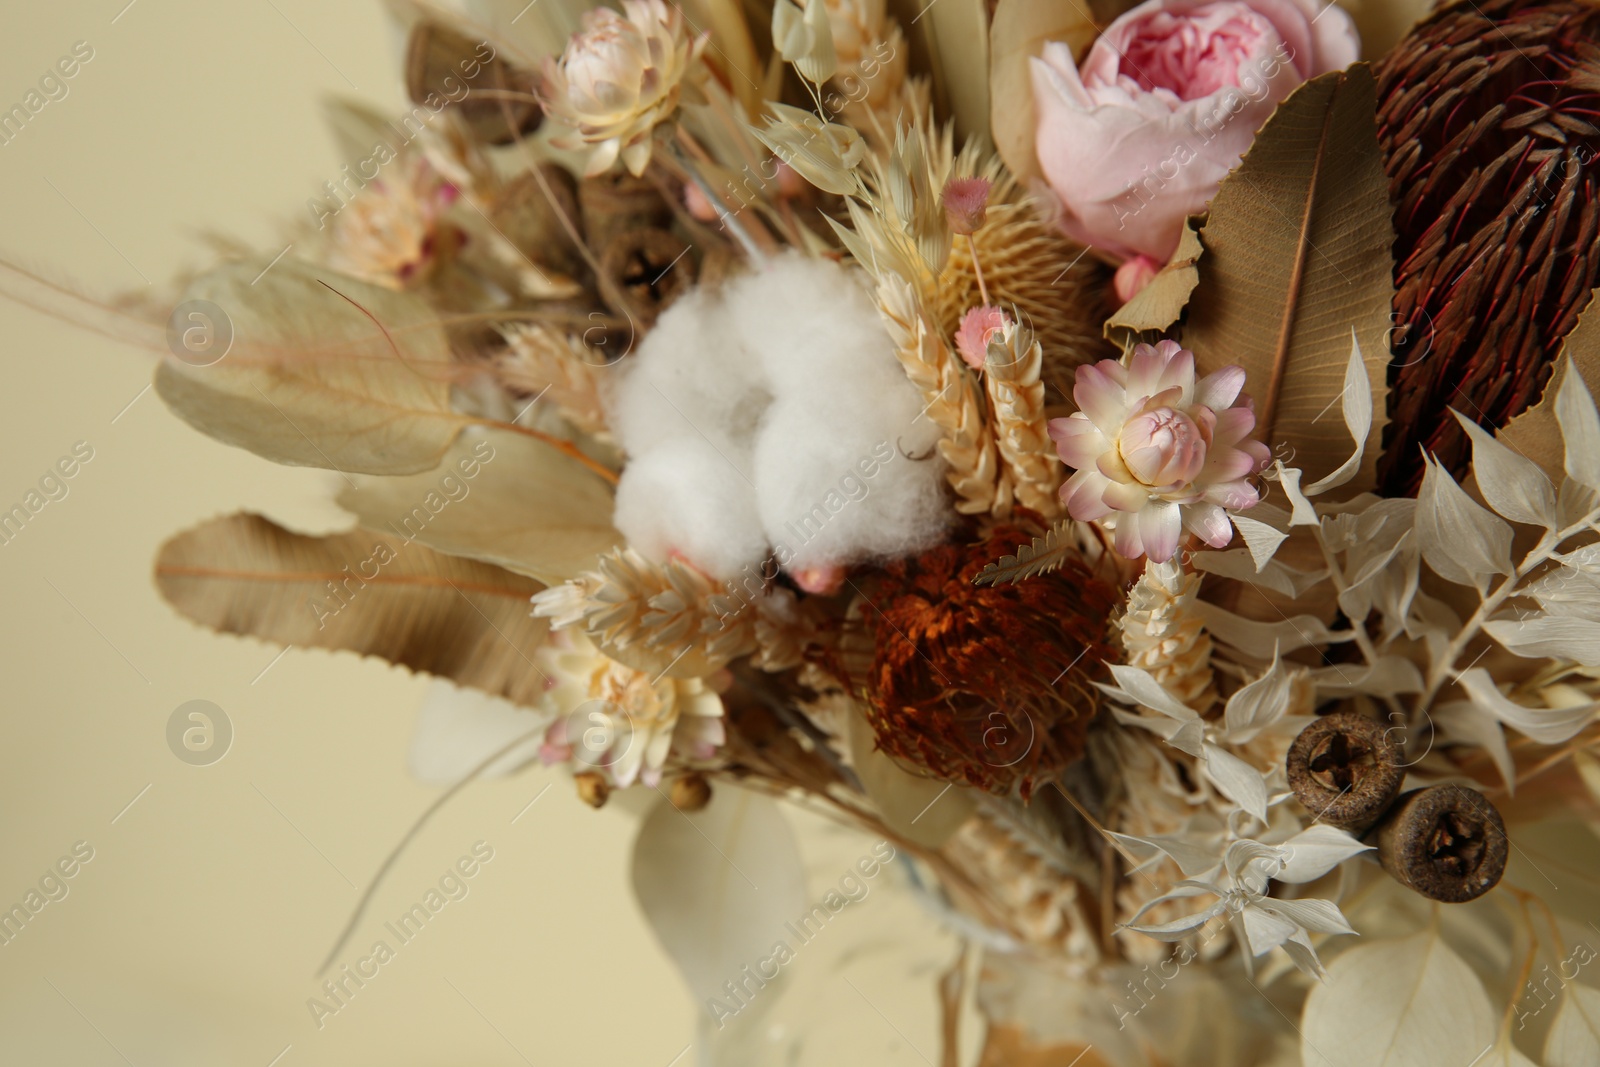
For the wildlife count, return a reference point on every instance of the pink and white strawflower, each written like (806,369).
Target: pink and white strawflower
(978,327)
(1158,452)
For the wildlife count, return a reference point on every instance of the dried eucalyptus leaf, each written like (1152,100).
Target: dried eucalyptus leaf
(526,506)
(323,371)
(1461,539)
(920,809)
(1298,246)
(1416,1000)
(364,591)
(718,885)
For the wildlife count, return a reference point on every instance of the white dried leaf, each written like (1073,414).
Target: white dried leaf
(1139,686)
(1390,676)
(1552,636)
(1236,780)
(1261,539)
(1184,736)
(718,885)
(1548,726)
(1314,852)
(1241,565)
(1301,513)
(1463,721)
(1513,484)
(1461,540)
(1194,856)
(1356,403)
(1574,1039)
(1580,429)
(1258,640)
(1416,1001)
(1258,705)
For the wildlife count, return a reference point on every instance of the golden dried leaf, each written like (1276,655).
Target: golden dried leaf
(362,591)
(310,379)
(1019,33)
(1297,252)
(1161,303)
(525,506)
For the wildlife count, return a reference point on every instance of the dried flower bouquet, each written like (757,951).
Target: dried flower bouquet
(1140,462)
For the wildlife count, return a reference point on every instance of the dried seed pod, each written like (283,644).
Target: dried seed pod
(1345,769)
(690,793)
(593,789)
(526,217)
(449,67)
(614,204)
(1447,842)
(651,270)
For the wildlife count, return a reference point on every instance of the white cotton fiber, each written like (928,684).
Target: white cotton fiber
(686,498)
(789,374)
(690,376)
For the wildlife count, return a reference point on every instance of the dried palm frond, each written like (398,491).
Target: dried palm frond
(1487,114)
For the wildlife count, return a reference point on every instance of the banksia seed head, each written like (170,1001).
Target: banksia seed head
(986,685)
(1486,116)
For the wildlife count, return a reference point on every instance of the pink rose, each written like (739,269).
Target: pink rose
(1165,104)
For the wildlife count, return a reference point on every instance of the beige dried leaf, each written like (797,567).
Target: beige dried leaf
(1019,33)
(501,496)
(323,371)
(364,591)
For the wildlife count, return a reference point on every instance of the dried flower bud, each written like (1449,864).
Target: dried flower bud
(979,327)
(690,793)
(966,203)
(593,789)
(1345,770)
(1447,842)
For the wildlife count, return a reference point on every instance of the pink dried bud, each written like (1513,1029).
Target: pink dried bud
(978,327)
(1133,276)
(823,580)
(966,203)
(697,204)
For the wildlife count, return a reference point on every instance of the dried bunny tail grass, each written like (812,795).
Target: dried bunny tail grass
(1035,271)
(1163,633)
(952,400)
(539,361)
(657,618)
(1016,404)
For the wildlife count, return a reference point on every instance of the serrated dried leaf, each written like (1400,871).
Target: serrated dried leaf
(1297,252)
(1045,554)
(363,591)
(1160,304)
(1580,430)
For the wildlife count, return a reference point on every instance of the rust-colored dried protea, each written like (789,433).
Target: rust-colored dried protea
(1489,115)
(985,685)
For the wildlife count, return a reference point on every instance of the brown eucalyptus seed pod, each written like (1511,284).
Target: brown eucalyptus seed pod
(446,68)
(1446,841)
(690,793)
(613,204)
(1345,770)
(526,217)
(651,269)
(593,789)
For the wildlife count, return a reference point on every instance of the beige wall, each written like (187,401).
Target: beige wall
(191,936)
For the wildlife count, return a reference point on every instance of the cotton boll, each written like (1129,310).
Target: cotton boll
(833,486)
(689,377)
(683,497)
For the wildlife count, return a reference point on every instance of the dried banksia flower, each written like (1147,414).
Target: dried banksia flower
(1485,114)
(1447,842)
(987,685)
(1345,770)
